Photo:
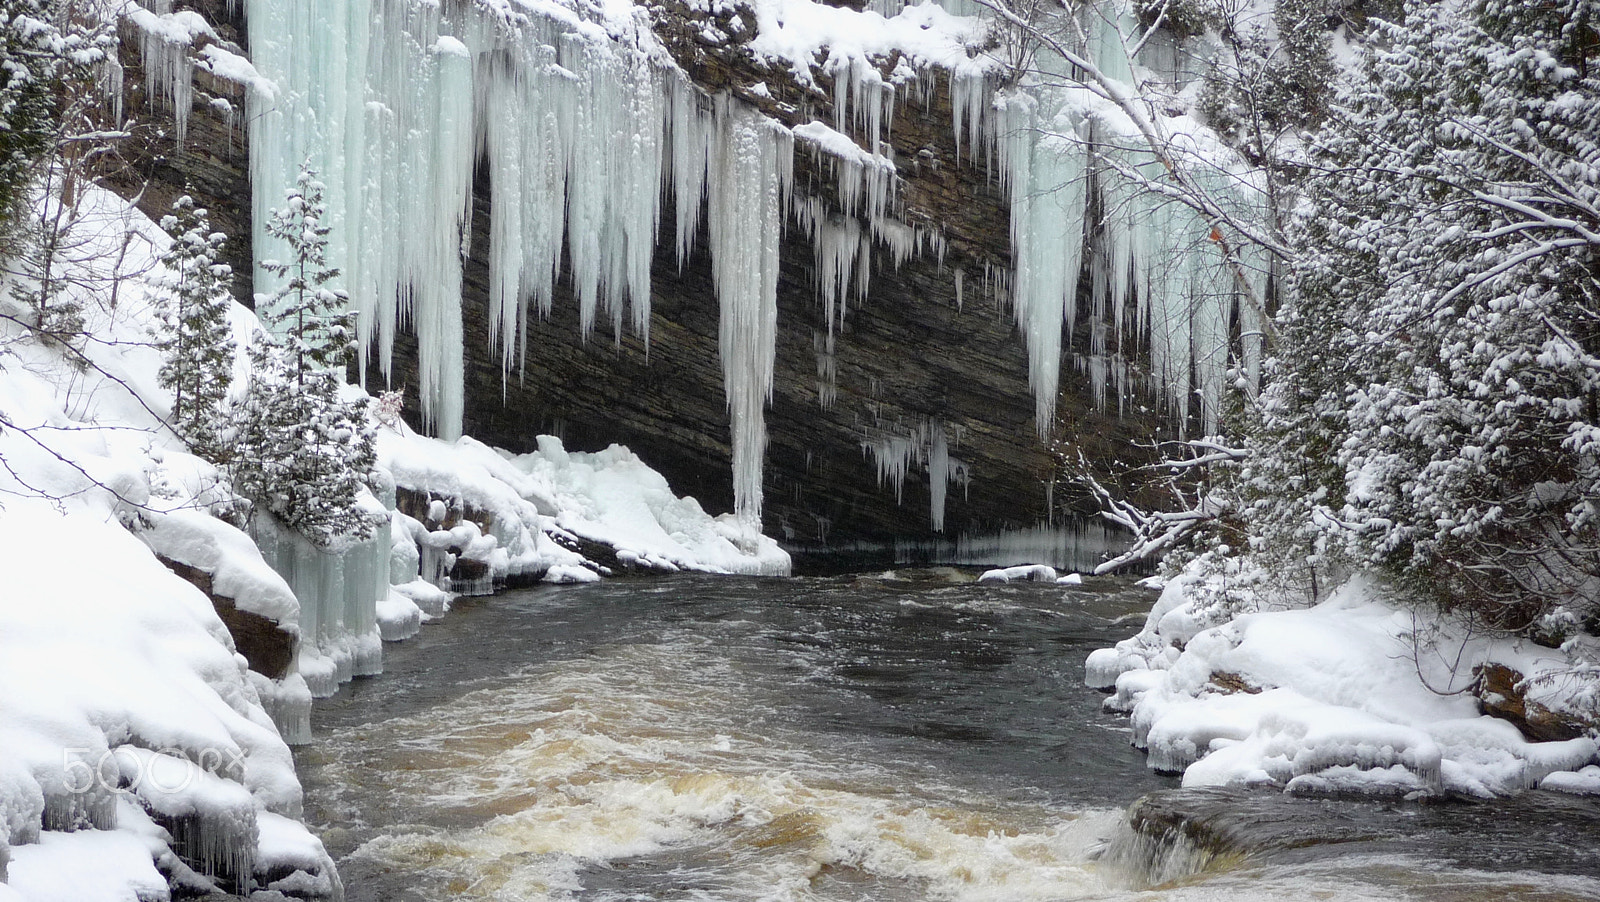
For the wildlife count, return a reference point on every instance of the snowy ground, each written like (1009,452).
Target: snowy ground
(122,701)
(129,725)
(1353,695)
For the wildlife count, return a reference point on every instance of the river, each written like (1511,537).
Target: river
(897,736)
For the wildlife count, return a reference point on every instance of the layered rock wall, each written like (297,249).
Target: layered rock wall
(933,346)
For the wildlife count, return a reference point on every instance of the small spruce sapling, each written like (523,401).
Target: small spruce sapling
(194,336)
(306,312)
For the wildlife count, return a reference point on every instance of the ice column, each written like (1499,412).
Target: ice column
(1046,168)
(751,167)
(338,592)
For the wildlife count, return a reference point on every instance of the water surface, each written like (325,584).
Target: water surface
(899,736)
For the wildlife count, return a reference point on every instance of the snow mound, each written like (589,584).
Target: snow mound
(1348,696)
(537,501)
(1036,573)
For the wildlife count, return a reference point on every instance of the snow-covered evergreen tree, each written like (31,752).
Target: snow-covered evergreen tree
(1439,376)
(195,337)
(34,56)
(303,451)
(306,312)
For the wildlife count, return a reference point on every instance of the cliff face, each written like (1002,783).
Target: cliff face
(211,164)
(932,349)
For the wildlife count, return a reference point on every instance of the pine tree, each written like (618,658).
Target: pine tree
(195,336)
(1448,357)
(303,452)
(34,56)
(306,311)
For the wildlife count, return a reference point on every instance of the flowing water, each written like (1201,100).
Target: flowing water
(893,737)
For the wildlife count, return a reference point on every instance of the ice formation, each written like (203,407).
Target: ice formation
(1074,546)
(338,591)
(894,451)
(583,124)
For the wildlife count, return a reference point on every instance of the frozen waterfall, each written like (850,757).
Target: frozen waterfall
(585,124)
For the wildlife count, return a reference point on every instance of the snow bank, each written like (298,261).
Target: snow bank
(536,502)
(127,716)
(120,680)
(1352,695)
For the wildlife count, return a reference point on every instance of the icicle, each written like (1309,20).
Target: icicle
(894,452)
(690,153)
(861,99)
(822,344)
(751,162)
(938,477)
(112,85)
(1045,169)
(164,42)
(435,273)
(843,258)
(972,110)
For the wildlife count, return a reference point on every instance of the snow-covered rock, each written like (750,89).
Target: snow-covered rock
(536,502)
(1346,696)
(1037,573)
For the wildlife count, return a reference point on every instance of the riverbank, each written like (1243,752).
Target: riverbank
(1358,694)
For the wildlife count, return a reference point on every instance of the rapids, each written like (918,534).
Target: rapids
(899,736)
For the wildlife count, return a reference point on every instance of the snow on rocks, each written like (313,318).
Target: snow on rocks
(1036,573)
(1349,696)
(238,572)
(536,502)
(1580,782)
(799,32)
(613,497)
(398,616)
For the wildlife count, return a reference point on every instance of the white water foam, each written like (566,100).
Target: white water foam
(670,770)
